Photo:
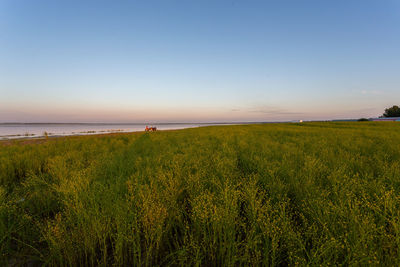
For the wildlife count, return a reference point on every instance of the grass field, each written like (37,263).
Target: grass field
(272,194)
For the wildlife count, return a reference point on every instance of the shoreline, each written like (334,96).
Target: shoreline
(25,140)
(45,132)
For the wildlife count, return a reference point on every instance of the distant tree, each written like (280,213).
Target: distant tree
(363,119)
(392,112)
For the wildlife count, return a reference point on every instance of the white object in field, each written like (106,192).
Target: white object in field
(300,120)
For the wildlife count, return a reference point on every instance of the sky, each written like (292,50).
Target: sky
(197,61)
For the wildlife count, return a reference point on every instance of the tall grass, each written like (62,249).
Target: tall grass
(275,194)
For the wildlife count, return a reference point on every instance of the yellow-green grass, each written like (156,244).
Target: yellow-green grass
(271,194)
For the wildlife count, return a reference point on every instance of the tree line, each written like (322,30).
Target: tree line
(392,112)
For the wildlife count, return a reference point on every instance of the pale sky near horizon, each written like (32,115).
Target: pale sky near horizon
(175,61)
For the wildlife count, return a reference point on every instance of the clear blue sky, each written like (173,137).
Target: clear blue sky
(135,61)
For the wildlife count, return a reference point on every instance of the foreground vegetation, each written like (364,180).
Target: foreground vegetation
(274,194)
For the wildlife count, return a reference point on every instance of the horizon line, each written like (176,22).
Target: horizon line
(142,123)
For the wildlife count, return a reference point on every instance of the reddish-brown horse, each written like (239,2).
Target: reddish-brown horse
(150,129)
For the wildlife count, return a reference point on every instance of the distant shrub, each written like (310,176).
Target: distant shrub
(363,119)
